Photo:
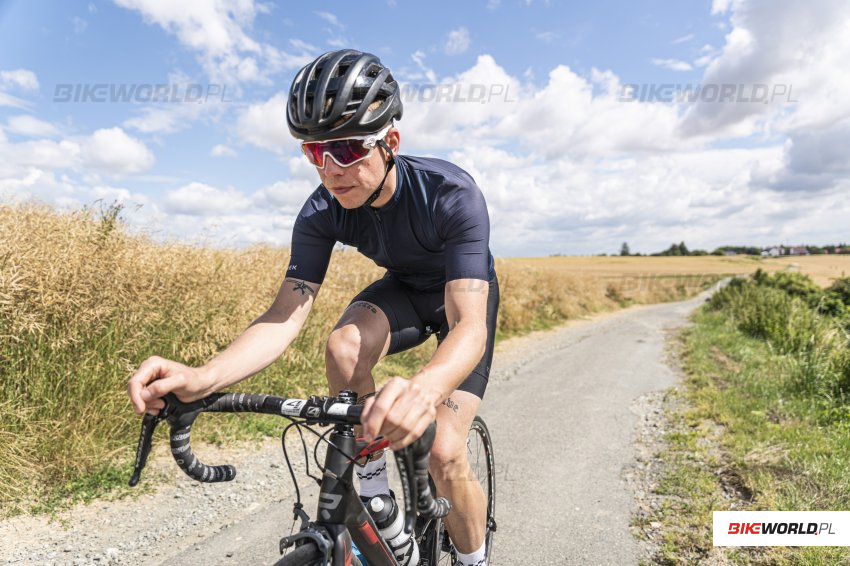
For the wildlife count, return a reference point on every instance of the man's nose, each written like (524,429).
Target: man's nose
(331,167)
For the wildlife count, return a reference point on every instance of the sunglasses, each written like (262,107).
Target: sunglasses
(345,151)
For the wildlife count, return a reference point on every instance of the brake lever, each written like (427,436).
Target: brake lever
(143,449)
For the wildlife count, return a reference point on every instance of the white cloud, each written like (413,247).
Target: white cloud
(673,64)
(683,39)
(217,31)
(457,41)
(331,19)
(23,79)
(198,199)
(565,112)
(720,6)
(113,151)
(31,127)
(18,79)
(220,150)
(264,125)
(422,71)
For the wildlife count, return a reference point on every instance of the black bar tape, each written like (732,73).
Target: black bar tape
(189,463)
(246,403)
(426,504)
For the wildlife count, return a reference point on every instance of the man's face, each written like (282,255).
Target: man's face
(352,185)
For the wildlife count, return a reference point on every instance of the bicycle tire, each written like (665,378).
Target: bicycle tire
(307,554)
(444,552)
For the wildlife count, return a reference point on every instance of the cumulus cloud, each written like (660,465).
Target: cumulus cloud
(113,151)
(264,125)
(457,41)
(217,32)
(31,127)
(776,42)
(23,79)
(16,80)
(198,199)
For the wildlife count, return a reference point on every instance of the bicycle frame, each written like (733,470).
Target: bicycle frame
(341,512)
(341,516)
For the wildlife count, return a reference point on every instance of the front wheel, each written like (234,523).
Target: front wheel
(308,554)
(305,555)
(479,450)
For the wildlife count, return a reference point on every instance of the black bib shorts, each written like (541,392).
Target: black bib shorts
(415,315)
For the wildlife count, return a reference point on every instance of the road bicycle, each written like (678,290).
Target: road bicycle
(342,518)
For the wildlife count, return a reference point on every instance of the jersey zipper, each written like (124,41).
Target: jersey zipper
(381,237)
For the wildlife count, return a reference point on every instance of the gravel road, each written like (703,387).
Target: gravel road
(564,407)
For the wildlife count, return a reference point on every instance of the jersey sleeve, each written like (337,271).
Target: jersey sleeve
(463,223)
(312,242)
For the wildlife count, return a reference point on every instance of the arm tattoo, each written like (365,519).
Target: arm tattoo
(301,286)
(451,404)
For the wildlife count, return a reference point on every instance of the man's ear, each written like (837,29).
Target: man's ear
(393,139)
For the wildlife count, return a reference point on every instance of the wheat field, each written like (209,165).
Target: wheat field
(83,301)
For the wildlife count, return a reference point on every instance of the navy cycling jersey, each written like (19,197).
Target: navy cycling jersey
(434,229)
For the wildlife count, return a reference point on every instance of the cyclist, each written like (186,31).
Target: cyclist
(426,222)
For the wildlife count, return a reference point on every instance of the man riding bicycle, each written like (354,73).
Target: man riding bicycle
(426,222)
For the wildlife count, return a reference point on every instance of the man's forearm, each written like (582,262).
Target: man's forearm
(454,360)
(254,350)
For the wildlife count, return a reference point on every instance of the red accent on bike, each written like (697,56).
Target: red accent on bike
(374,446)
(368,532)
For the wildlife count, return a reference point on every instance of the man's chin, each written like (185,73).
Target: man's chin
(349,202)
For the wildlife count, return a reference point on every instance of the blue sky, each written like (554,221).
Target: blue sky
(567,166)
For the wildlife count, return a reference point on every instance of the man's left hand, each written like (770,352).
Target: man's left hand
(400,412)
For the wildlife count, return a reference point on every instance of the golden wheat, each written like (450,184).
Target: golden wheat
(83,302)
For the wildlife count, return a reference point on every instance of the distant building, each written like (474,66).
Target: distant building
(774,252)
(730,253)
(799,250)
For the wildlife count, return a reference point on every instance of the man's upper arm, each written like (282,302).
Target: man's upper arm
(466,300)
(294,300)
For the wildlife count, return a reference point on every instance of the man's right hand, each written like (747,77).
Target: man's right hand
(158,376)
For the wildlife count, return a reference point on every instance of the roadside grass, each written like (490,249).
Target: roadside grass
(762,425)
(83,302)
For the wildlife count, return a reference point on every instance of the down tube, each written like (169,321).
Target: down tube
(365,534)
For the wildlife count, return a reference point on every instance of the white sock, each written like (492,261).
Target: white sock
(373,477)
(474,559)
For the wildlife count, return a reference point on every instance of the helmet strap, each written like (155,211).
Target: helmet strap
(390,162)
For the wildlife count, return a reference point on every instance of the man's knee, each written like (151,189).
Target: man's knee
(351,351)
(448,458)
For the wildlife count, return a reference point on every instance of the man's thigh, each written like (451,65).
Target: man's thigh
(389,297)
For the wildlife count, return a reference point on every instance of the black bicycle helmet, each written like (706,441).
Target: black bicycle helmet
(342,84)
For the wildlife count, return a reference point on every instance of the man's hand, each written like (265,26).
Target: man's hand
(158,376)
(400,412)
